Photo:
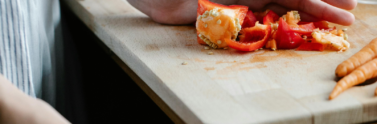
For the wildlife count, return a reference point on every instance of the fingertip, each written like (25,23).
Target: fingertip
(351,5)
(278,9)
(343,4)
(348,19)
(339,16)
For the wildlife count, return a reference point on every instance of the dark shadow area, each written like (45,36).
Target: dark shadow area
(367,82)
(97,90)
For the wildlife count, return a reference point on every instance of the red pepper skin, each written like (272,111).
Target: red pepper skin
(251,39)
(249,20)
(286,38)
(302,23)
(304,29)
(271,17)
(311,47)
(260,15)
(321,25)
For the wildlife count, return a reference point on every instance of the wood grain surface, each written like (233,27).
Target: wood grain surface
(283,86)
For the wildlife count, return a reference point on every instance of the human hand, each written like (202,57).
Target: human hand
(184,11)
(18,108)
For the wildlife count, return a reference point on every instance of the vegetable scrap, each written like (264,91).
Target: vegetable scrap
(234,26)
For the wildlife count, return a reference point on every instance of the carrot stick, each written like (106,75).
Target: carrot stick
(359,75)
(364,55)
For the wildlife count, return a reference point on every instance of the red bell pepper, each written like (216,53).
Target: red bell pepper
(205,5)
(251,38)
(304,29)
(286,38)
(260,15)
(293,20)
(311,47)
(302,23)
(249,20)
(271,17)
(321,24)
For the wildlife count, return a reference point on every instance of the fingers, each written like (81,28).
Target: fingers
(327,12)
(254,5)
(320,9)
(167,11)
(141,5)
(344,4)
(278,9)
(308,18)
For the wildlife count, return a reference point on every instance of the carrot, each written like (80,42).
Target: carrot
(364,55)
(359,75)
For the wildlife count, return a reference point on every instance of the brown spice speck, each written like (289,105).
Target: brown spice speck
(209,68)
(151,47)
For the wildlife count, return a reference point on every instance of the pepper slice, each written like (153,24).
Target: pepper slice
(271,17)
(311,47)
(304,29)
(249,20)
(322,25)
(286,38)
(295,24)
(216,22)
(292,18)
(331,41)
(251,38)
(260,15)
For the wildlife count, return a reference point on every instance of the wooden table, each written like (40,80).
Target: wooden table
(284,86)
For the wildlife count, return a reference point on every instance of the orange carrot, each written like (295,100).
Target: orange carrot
(364,55)
(359,75)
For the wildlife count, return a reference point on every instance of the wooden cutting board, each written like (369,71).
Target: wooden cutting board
(283,86)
